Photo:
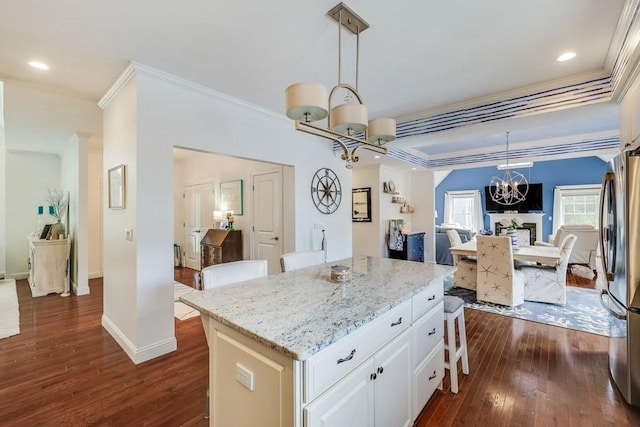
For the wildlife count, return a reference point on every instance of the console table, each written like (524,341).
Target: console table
(48,266)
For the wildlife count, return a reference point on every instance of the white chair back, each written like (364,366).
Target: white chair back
(498,281)
(232,272)
(295,260)
(454,238)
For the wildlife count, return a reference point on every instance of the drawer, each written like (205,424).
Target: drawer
(326,367)
(427,332)
(426,378)
(428,298)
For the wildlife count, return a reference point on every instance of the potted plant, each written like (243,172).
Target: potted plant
(58,204)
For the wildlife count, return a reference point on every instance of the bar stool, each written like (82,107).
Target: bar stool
(454,309)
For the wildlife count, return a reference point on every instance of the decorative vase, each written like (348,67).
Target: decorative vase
(513,234)
(57,230)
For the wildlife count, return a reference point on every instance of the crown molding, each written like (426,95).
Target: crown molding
(123,79)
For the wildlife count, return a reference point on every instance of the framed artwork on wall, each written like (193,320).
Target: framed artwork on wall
(117,187)
(231,197)
(361,205)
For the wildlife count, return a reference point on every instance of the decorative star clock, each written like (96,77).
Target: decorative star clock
(326,191)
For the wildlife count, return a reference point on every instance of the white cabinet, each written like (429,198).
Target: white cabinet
(48,263)
(376,393)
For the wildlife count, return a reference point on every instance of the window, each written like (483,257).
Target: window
(464,209)
(576,204)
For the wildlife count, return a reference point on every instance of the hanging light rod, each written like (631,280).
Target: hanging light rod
(309,102)
(515,165)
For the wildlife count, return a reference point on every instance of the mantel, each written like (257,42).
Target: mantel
(535,218)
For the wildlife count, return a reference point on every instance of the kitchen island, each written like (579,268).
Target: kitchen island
(296,349)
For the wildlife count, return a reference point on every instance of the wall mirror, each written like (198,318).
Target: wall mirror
(361,205)
(117,187)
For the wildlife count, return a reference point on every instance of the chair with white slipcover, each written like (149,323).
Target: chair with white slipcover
(585,248)
(549,284)
(466,267)
(295,260)
(498,281)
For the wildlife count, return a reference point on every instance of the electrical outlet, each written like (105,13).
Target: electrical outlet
(244,377)
(318,225)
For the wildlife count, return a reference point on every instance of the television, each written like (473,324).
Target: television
(532,201)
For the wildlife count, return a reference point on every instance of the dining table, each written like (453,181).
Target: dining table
(546,255)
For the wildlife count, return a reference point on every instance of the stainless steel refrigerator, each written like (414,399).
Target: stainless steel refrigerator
(620,244)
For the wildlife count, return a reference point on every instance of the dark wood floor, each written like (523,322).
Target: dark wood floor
(65,369)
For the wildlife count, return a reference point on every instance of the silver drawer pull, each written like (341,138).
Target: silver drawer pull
(433,376)
(349,357)
(433,331)
(397,323)
(431,298)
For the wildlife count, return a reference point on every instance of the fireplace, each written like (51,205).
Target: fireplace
(532,222)
(531,226)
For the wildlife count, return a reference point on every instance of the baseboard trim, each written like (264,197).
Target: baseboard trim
(142,354)
(19,276)
(95,275)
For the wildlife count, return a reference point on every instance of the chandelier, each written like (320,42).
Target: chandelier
(309,102)
(510,188)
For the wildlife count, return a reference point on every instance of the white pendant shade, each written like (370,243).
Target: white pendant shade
(307,101)
(382,130)
(349,119)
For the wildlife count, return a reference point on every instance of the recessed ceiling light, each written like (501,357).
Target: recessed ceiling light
(413,169)
(566,56)
(39,65)
(376,157)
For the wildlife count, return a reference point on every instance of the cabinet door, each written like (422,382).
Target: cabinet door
(393,383)
(348,403)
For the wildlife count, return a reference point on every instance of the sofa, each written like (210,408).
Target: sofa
(443,255)
(585,249)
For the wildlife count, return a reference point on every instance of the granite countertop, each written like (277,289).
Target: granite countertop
(301,312)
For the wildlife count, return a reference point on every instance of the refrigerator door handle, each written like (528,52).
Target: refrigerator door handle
(607,184)
(620,316)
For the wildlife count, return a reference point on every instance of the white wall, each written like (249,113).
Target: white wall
(94,207)
(29,175)
(366,235)
(142,123)
(3,178)
(423,197)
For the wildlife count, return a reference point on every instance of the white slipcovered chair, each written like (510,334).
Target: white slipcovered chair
(232,272)
(586,247)
(549,284)
(295,260)
(466,268)
(498,281)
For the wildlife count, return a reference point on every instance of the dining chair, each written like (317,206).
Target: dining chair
(585,248)
(232,272)
(549,284)
(218,275)
(295,260)
(466,267)
(498,281)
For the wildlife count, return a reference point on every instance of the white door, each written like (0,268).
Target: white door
(198,203)
(393,383)
(267,219)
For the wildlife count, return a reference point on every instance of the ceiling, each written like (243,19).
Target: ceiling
(419,60)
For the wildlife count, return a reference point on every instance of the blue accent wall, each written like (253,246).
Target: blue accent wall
(552,173)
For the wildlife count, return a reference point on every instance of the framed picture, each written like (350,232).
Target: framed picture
(361,205)
(45,232)
(231,197)
(117,187)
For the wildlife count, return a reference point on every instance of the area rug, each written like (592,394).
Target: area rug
(583,311)
(180,310)
(9,312)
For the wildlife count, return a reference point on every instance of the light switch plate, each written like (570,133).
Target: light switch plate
(128,234)
(319,225)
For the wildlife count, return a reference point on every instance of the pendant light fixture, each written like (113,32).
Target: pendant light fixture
(510,188)
(309,102)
